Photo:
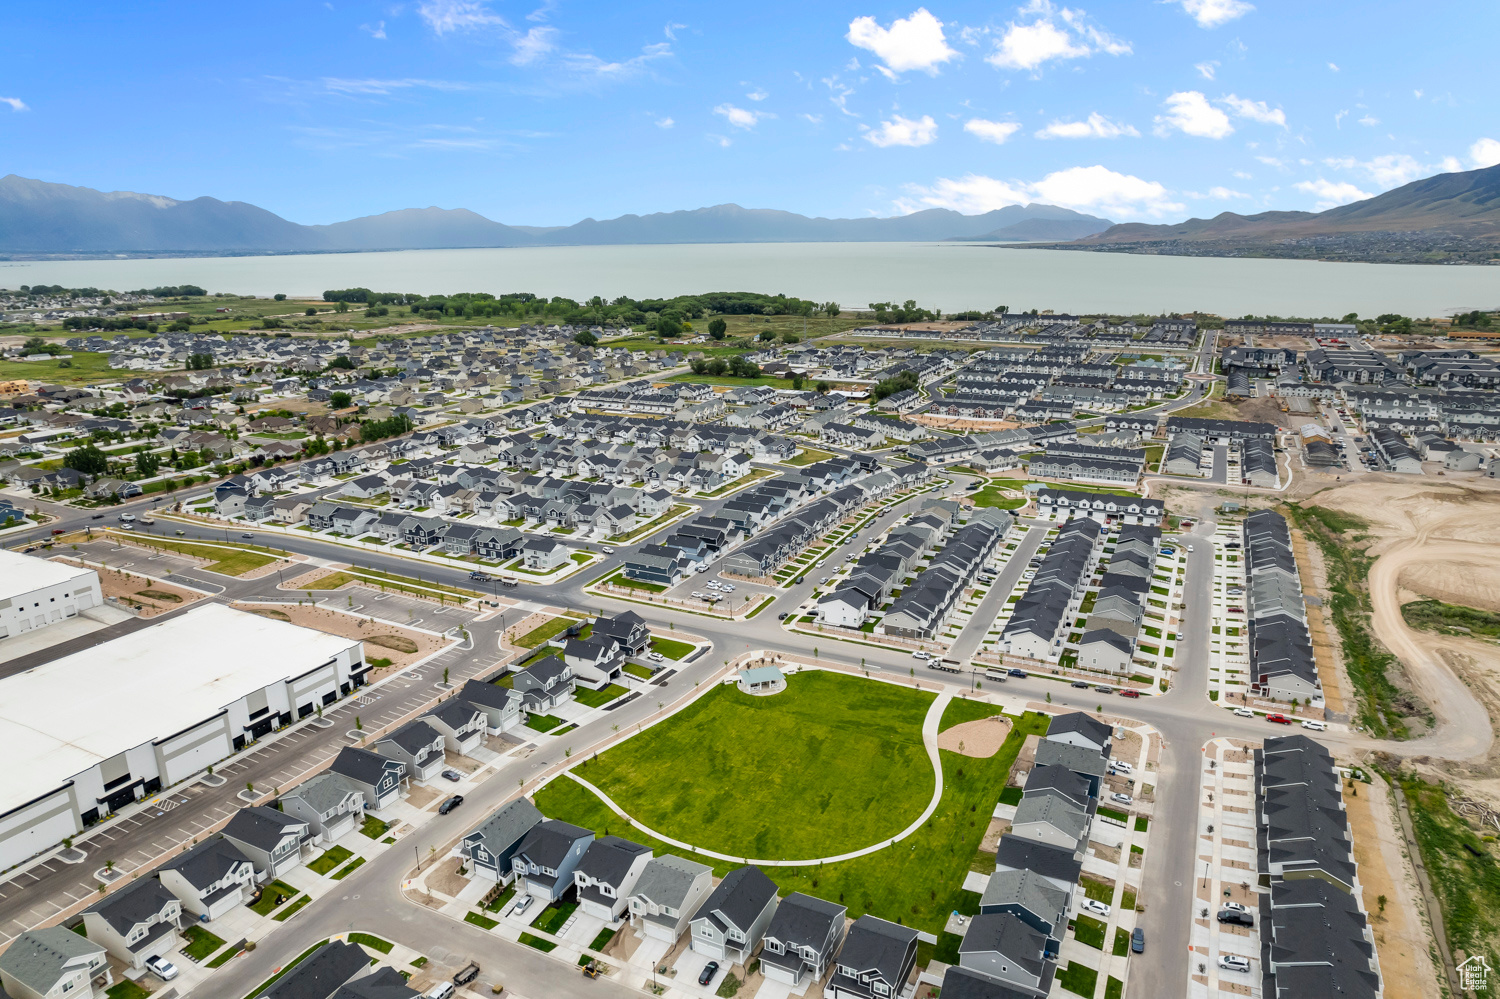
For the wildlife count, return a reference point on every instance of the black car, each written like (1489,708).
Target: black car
(97,516)
(1017,672)
(1138,941)
(452,775)
(709,971)
(450,804)
(464,977)
(1236,917)
(781,616)
(1084,684)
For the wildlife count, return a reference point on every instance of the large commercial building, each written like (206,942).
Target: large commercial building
(36,592)
(87,734)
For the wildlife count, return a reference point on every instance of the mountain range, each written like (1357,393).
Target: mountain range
(1444,218)
(42,218)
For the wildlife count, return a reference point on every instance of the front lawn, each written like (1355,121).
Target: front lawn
(598,698)
(331,858)
(553,917)
(1079,979)
(373,827)
(636,670)
(669,648)
(200,943)
(620,579)
(543,723)
(126,989)
(480,920)
(1089,931)
(353,866)
(837,763)
(268,894)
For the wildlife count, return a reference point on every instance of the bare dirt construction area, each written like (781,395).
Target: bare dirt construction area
(1436,535)
(149,597)
(981,738)
(402,646)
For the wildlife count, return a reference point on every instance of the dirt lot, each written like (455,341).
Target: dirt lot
(396,639)
(981,738)
(152,598)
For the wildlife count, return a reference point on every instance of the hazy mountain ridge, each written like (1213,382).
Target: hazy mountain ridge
(38,217)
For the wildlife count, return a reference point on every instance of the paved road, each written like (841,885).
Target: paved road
(968,642)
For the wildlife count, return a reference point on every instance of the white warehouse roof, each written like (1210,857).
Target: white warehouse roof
(63,717)
(22,574)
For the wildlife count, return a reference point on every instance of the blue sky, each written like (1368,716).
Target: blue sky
(548,111)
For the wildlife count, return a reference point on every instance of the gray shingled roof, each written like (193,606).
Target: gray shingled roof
(260,826)
(133,904)
(37,957)
(741,896)
(666,880)
(207,863)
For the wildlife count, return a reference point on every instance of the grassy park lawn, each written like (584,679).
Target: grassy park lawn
(597,698)
(546,632)
(808,455)
(919,880)
(331,858)
(831,764)
(669,648)
(997,496)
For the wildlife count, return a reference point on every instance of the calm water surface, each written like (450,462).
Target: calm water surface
(948,276)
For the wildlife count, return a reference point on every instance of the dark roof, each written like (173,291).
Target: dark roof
(507,825)
(385,983)
(741,896)
(486,695)
(549,841)
(320,975)
(961,983)
(876,945)
(1058,779)
(413,737)
(362,765)
(1005,933)
(261,826)
(1021,853)
(207,862)
(133,904)
(804,919)
(608,859)
(455,712)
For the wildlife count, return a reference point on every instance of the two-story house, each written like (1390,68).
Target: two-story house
(139,921)
(380,779)
(211,879)
(330,804)
(500,706)
(51,961)
(416,744)
(491,847)
(732,920)
(667,895)
(607,874)
(461,724)
(801,940)
(274,841)
(876,961)
(546,857)
(1009,950)
(544,684)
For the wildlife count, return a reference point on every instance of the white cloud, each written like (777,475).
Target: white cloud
(1224,193)
(1449,164)
(723,141)
(16,104)
(757,95)
(665,123)
(903,132)
(671,30)
(1395,169)
(816,119)
(1417,94)
(1094,188)
(1212,13)
(1271,161)
(1338,118)
(443,16)
(991,131)
(1255,110)
(1045,33)
(741,118)
(1331,194)
(370,87)
(914,42)
(531,46)
(1207,69)
(1188,111)
(377,31)
(839,95)
(1096,127)
(1369,121)
(1484,153)
(591,65)
(1242,175)
(1333,66)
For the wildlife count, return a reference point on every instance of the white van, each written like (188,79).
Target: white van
(442,990)
(1316,726)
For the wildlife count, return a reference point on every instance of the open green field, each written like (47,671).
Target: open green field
(82,369)
(919,881)
(808,455)
(831,764)
(997,496)
(688,376)
(228,561)
(1463,867)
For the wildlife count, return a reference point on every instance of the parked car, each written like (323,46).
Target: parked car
(1316,726)
(1278,718)
(709,971)
(1122,766)
(1233,962)
(698,594)
(56,531)
(1234,907)
(1244,712)
(450,804)
(919,654)
(467,975)
(781,616)
(1138,940)
(655,657)
(247,535)
(452,775)
(161,968)
(1018,672)
(1104,688)
(522,905)
(1130,693)
(1123,799)
(442,990)
(1095,906)
(1082,684)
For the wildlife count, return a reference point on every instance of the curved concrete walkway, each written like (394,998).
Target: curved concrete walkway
(929,740)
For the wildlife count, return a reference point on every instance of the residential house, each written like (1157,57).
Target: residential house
(1008,950)
(52,961)
(547,856)
(339,970)
(667,895)
(491,847)
(138,921)
(732,920)
(607,874)
(544,554)
(500,706)
(330,804)
(210,879)
(876,961)
(461,724)
(272,839)
(416,744)
(801,939)
(544,684)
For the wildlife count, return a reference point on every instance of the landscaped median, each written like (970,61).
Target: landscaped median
(225,559)
(384,581)
(618,586)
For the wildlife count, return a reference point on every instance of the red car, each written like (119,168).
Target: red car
(1278,718)
(1130,693)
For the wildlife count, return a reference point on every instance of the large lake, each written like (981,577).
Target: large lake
(951,277)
